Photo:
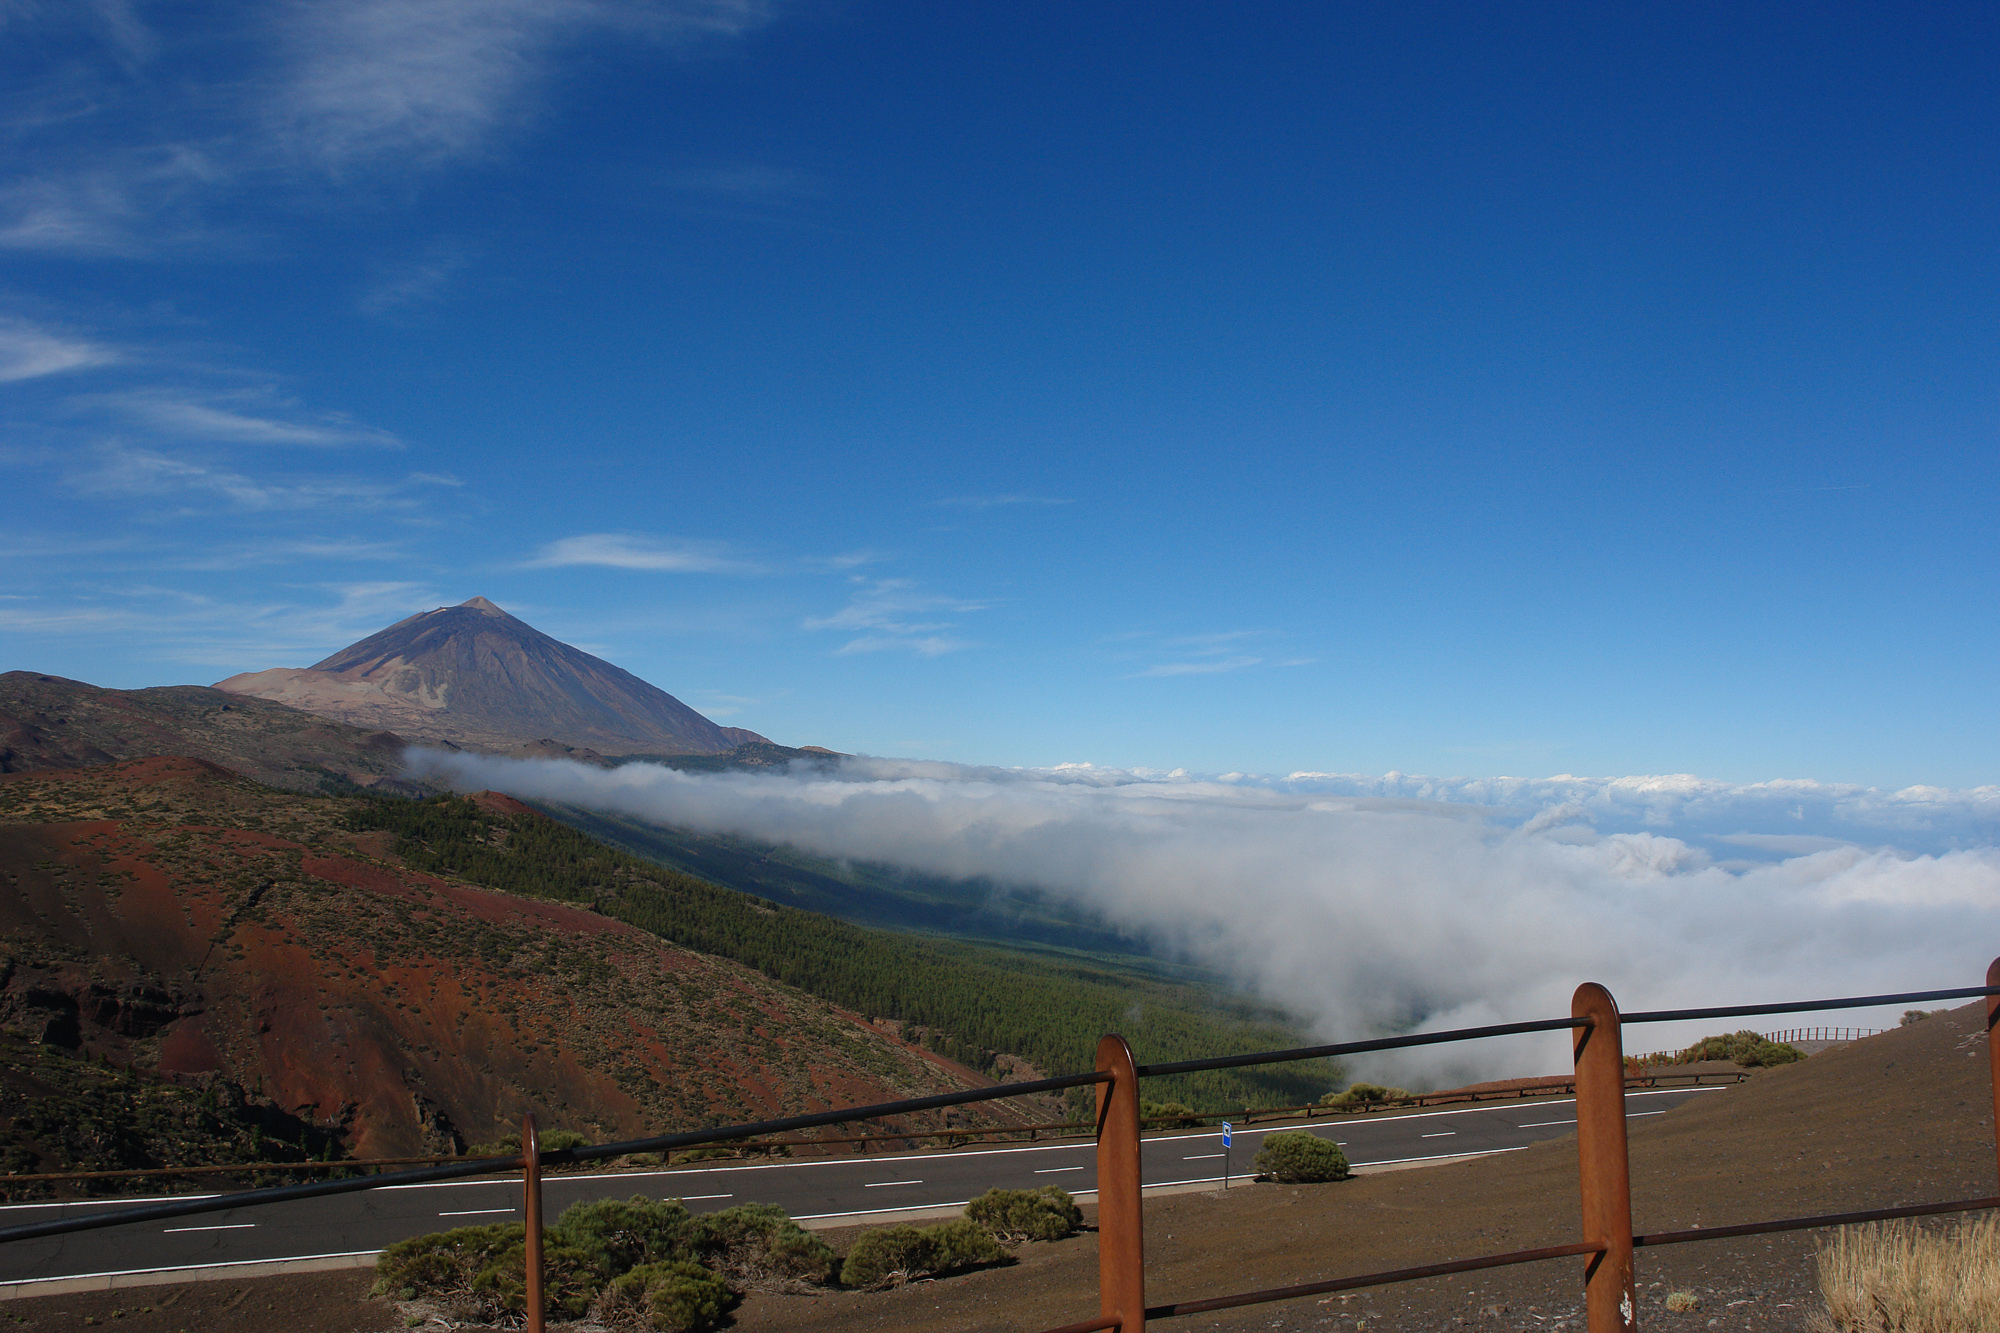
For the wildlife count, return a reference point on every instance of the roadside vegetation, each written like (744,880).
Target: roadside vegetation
(1299,1158)
(1746,1048)
(968,1001)
(640,1263)
(1901,1277)
(64,1111)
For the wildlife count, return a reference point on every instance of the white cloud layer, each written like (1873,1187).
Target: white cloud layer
(1365,912)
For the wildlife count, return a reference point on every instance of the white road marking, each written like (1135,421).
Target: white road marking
(1441,1134)
(882,1184)
(686,1197)
(227,1226)
(1200,1155)
(1539,1124)
(475,1212)
(1056,1170)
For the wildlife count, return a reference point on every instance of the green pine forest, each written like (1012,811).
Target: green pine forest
(972,998)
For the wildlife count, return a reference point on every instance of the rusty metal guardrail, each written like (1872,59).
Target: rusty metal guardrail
(1607,1243)
(954,1137)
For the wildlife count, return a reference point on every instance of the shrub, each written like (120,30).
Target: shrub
(1014,1216)
(1184,1114)
(759,1245)
(554,1140)
(890,1255)
(1298,1157)
(679,1296)
(621,1234)
(1364,1094)
(444,1263)
(571,1279)
(1680,1302)
(1745,1048)
(1912,1017)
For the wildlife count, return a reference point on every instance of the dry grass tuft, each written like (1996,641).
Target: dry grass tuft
(1898,1277)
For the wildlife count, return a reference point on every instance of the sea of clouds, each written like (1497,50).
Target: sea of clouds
(1365,903)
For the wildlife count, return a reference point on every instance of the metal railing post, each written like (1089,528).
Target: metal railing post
(1993,1048)
(1610,1301)
(531,1209)
(1121,1250)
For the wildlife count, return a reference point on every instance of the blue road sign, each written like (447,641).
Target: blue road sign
(1225,1134)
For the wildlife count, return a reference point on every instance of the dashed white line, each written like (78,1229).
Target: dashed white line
(1200,1156)
(227,1226)
(475,1212)
(686,1197)
(1441,1134)
(879,1184)
(1539,1124)
(1056,1170)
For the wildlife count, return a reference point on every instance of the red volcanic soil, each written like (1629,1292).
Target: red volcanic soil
(168,915)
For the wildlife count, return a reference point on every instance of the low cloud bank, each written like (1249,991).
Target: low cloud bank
(1415,902)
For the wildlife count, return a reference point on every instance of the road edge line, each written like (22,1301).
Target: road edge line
(161,1277)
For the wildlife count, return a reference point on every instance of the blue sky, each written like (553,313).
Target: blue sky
(1444,389)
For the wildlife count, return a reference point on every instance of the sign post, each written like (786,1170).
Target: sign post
(1226,1140)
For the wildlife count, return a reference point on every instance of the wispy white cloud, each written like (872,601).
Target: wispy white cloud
(896,617)
(127,203)
(999,501)
(224,635)
(28,352)
(618,550)
(369,81)
(923,645)
(117,470)
(189,417)
(1204,668)
(762,183)
(400,287)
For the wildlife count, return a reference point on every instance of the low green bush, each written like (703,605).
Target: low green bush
(1183,1114)
(444,1263)
(1298,1157)
(1745,1048)
(1014,1216)
(553,1140)
(1364,1094)
(571,1279)
(891,1255)
(758,1245)
(622,1234)
(675,1297)
(481,1272)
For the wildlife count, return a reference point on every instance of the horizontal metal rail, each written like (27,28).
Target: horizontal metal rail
(489,1165)
(1308,1111)
(1821,1220)
(1381,1279)
(1851,1002)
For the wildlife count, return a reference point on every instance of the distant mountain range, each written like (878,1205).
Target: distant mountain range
(475,677)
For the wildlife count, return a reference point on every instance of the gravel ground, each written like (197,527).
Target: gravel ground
(1900,1118)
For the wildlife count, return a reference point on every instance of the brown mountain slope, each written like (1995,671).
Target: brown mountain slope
(50,722)
(477,677)
(167,915)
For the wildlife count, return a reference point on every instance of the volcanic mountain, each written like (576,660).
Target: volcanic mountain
(478,678)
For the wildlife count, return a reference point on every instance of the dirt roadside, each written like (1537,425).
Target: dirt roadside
(1900,1118)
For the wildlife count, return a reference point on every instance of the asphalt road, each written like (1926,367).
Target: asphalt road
(825,1189)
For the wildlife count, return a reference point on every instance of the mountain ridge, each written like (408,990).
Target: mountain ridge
(478,678)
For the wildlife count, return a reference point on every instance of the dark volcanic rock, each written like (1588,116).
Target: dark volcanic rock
(477,677)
